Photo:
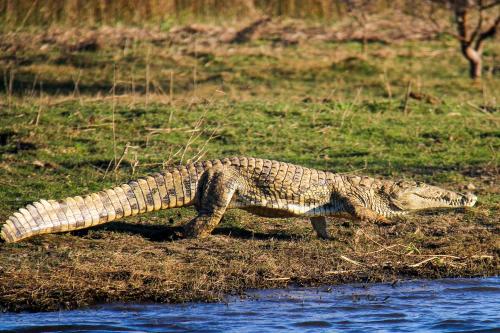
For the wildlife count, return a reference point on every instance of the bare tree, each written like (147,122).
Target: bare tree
(476,20)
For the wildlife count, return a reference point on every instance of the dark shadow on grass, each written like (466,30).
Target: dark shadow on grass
(24,84)
(155,233)
(440,211)
(239,232)
(380,167)
(166,233)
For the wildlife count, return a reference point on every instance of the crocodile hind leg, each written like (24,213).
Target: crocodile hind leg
(202,225)
(319,225)
(217,190)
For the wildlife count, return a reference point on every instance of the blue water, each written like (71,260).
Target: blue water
(450,305)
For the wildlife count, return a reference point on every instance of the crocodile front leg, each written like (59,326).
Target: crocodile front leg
(364,214)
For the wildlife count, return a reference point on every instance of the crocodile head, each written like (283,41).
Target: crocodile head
(406,196)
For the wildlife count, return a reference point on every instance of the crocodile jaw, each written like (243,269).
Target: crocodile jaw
(422,196)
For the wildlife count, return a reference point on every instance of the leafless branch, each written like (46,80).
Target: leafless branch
(489,33)
(489,5)
(479,25)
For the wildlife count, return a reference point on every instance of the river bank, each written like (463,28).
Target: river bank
(350,308)
(123,262)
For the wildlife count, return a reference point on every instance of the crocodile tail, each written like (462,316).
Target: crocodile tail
(159,191)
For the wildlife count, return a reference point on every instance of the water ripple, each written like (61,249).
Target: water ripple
(313,324)
(450,305)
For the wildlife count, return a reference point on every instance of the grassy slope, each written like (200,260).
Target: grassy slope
(323,105)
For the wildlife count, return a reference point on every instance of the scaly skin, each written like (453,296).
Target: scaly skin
(263,187)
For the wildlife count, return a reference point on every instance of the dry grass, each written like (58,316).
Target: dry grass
(163,13)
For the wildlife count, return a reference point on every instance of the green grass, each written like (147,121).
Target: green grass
(324,105)
(76,142)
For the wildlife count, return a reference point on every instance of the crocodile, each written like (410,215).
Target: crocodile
(261,186)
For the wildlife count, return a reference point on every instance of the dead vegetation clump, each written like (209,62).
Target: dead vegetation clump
(79,39)
(384,27)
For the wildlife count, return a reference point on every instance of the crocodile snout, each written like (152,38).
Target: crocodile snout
(470,199)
